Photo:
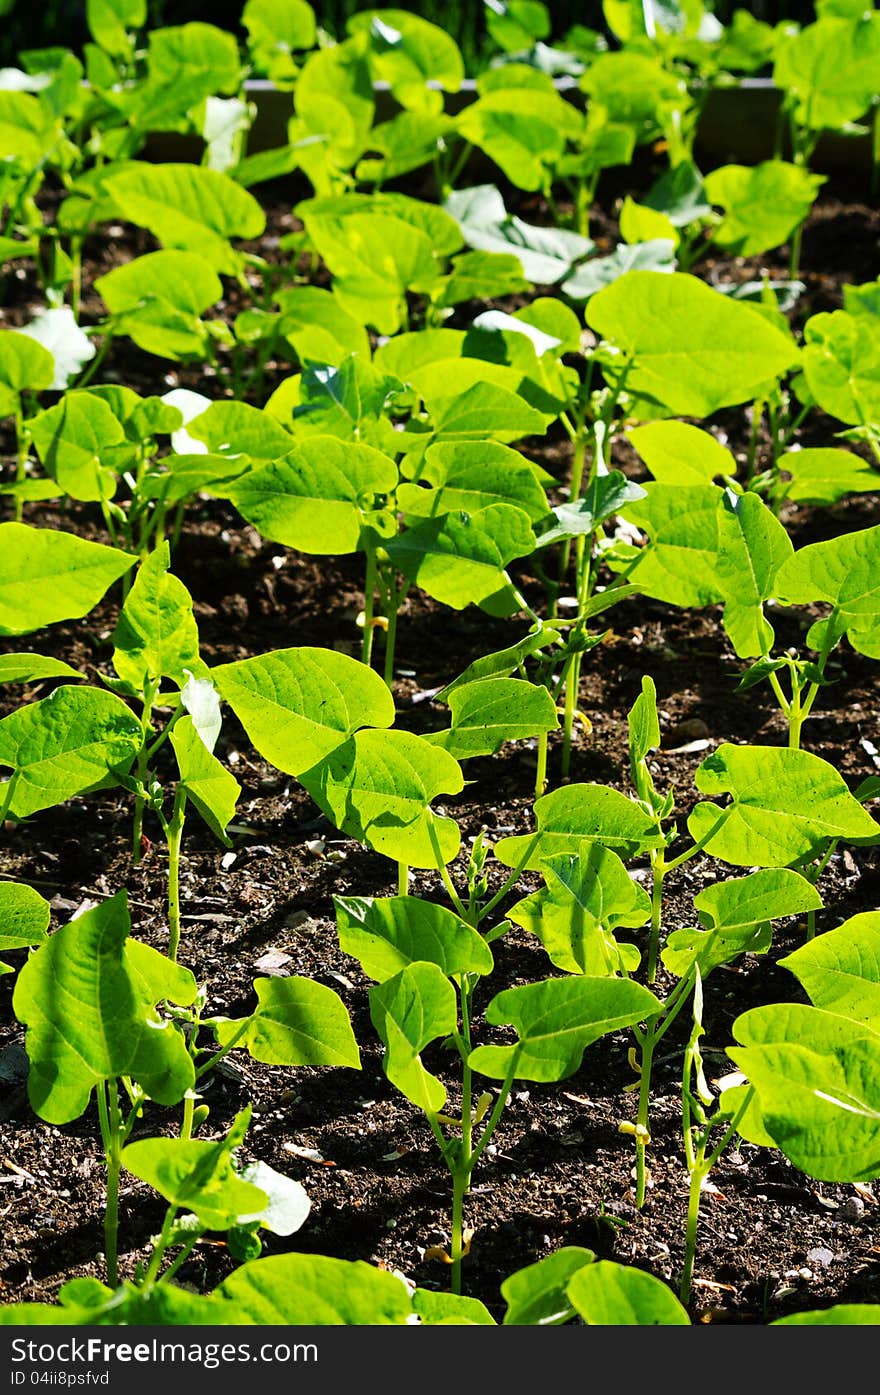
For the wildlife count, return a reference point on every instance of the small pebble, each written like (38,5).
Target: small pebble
(853,1209)
(820,1255)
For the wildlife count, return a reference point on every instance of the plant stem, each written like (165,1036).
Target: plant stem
(459,1188)
(21,449)
(174,836)
(541,771)
(108,1113)
(643,1137)
(142,770)
(402,879)
(658,868)
(391,636)
(369,600)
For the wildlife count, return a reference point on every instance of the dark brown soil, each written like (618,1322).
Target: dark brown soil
(770,1242)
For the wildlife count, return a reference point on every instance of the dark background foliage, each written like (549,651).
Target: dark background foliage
(25,25)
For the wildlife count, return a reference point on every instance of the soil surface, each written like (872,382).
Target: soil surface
(560,1172)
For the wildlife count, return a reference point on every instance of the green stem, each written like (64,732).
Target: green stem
(659,869)
(402,879)
(541,771)
(369,601)
(181,1258)
(21,449)
(690,1236)
(174,836)
(444,871)
(142,770)
(643,1132)
(574,492)
(512,879)
(8,792)
(108,1114)
(391,636)
(459,1188)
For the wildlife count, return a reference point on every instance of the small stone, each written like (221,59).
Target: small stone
(821,1256)
(853,1209)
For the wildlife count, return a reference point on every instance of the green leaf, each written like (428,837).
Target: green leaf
(843,572)
(88,999)
(386,934)
(183,476)
(840,1315)
(378,787)
(313,1291)
(639,223)
(450,1309)
(831,69)
(763,204)
(288,1203)
(157,300)
(460,559)
(277,29)
(484,409)
(406,142)
(298,705)
(823,476)
(785,806)
(490,711)
(110,22)
(408,52)
(33,668)
(515,25)
(685,349)
(317,328)
(619,1295)
(736,918)
(677,453)
(536,1295)
(471,475)
(315,498)
(644,724)
(156,635)
(82,444)
(47,576)
(409,1011)
(683,524)
(556,1021)
(189,207)
(197,1176)
(208,786)
(374,257)
(523,131)
(634,90)
(840,970)
(24,365)
(656,255)
(74,741)
(481,275)
(817,1080)
(679,193)
(604,497)
(504,661)
(296,1023)
(545,254)
(236,428)
(587,897)
(573,814)
(841,362)
(752,546)
(348,402)
(24,919)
